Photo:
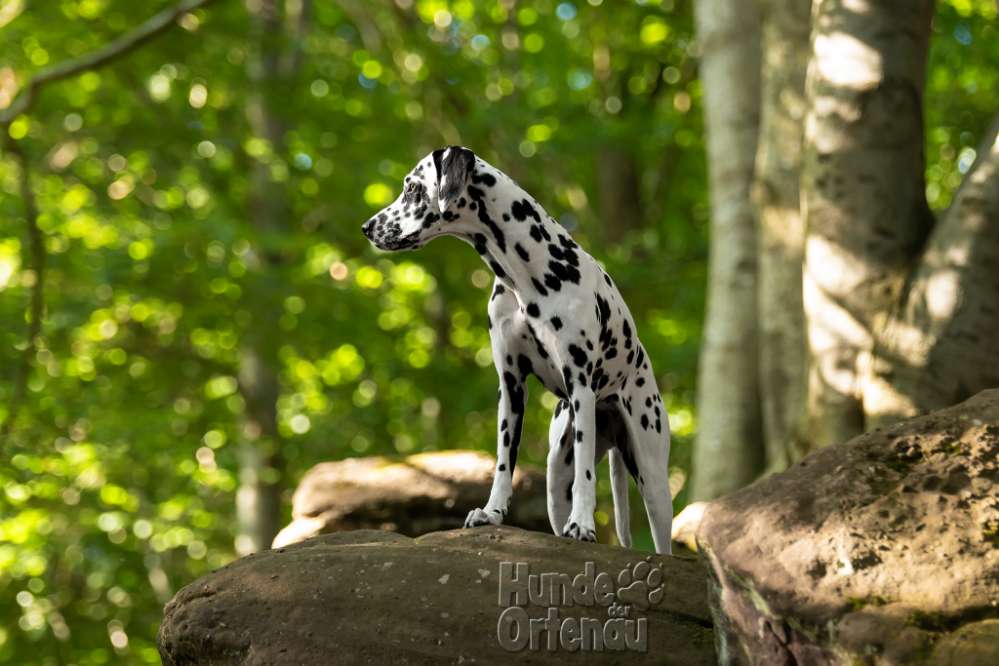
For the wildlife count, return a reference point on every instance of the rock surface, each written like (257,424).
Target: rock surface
(882,550)
(370,597)
(422,493)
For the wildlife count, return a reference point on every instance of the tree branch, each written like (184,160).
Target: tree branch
(939,348)
(127,43)
(145,32)
(36,244)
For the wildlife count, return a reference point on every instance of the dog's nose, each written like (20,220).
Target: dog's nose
(368,227)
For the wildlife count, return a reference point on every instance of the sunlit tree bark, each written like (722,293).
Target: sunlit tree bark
(729,451)
(939,346)
(864,195)
(785,46)
(867,309)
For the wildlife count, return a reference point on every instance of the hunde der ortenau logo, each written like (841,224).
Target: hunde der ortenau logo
(635,589)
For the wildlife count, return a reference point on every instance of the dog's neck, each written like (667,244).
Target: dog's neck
(514,235)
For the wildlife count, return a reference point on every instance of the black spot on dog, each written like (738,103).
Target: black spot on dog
(523,209)
(564,272)
(524,365)
(578,355)
(599,380)
(521,252)
(478,195)
(516,396)
(480,243)
(542,352)
(486,179)
(533,309)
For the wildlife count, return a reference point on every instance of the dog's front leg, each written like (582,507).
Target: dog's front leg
(510,421)
(584,485)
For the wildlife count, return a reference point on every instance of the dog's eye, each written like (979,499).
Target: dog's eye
(410,187)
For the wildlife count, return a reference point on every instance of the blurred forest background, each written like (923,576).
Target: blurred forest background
(191,317)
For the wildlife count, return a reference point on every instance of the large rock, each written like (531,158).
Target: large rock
(380,598)
(421,493)
(883,550)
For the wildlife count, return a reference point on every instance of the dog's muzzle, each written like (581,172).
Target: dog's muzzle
(368,228)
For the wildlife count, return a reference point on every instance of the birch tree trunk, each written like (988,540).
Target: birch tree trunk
(729,451)
(786,26)
(864,195)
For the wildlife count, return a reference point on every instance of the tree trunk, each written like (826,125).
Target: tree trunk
(258,499)
(941,347)
(729,451)
(619,193)
(865,207)
(786,25)
(258,502)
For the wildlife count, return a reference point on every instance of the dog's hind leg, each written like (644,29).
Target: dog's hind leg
(656,494)
(619,489)
(560,469)
(645,453)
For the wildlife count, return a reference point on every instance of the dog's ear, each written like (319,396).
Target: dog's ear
(455,166)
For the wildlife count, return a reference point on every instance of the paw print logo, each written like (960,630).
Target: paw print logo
(641,585)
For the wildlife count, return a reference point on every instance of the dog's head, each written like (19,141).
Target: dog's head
(429,204)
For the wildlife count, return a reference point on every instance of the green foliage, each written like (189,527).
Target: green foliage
(119,478)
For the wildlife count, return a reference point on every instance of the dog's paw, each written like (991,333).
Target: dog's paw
(574,530)
(641,586)
(479,517)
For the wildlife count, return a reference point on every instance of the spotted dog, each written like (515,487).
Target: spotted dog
(556,314)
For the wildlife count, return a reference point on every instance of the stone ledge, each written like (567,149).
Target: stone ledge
(371,597)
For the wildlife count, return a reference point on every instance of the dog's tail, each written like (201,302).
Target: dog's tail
(619,489)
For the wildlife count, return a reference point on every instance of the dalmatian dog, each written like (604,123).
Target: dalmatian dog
(555,314)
